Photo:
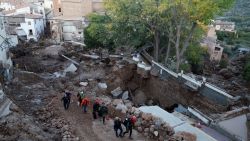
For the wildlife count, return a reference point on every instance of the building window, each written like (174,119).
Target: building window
(30,32)
(60,10)
(217,48)
(29,23)
(79,32)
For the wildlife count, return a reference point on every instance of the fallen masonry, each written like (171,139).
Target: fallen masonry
(125,85)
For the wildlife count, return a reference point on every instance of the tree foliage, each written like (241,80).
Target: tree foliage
(137,22)
(97,34)
(246,73)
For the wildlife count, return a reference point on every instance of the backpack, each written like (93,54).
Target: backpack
(133,119)
(127,122)
(82,95)
(104,110)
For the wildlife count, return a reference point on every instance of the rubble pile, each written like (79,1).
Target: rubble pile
(19,126)
(150,126)
(153,127)
(180,136)
(52,121)
(230,78)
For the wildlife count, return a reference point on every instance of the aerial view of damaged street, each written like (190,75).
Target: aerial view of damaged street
(121,70)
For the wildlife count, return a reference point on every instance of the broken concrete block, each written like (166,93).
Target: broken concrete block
(84,84)
(71,68)
(156,133)
(125,95)
(121,107)
(102,85)
(116,92)
(117,101)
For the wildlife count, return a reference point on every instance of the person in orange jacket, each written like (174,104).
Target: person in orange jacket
(84,104)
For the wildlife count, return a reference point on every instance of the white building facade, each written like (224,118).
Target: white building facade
(33,23)
(6,6)
(33,27)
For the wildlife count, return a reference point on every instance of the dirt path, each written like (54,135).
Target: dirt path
(88,129)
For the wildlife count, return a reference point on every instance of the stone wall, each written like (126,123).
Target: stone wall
(165,92)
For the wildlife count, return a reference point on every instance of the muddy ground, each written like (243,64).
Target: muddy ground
(37,91)
(37,94)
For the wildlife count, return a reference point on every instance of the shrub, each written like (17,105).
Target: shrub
(185,67)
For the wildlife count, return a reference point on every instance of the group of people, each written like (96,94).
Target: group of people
(100,110)
(129,123)
(83,101)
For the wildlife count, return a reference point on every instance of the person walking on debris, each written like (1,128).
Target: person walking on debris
(96,107)
(66,102)
(103,112)
(68,95)
(84,104)
(118,126)
(129,123)
(80,96)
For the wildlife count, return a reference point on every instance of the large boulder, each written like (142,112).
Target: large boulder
(147,116)
(121,107)
(117,101)
(125,95)
(116,92)
(102,85)
(140,98)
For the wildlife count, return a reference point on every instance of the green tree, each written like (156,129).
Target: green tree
(246,73)
(97,34)
(136,22)
(194,55)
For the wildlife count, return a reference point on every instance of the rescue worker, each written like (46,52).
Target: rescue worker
(118,126)
(96,107)
(84,104)
(129,126)
(103,112)
(80,96)
(68,95)
(66,102)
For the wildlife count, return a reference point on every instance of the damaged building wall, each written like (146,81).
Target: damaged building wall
(5,60)
(165,92)
(6,65)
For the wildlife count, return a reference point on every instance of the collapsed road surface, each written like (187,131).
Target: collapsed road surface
(42,75)
(40,78)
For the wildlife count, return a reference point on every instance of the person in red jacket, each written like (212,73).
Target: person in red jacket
(84,104)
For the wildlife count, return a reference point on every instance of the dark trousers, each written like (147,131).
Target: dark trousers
(116,131)
(103,119)
(128,130)
(84,107)
(66,105)
(94,115)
